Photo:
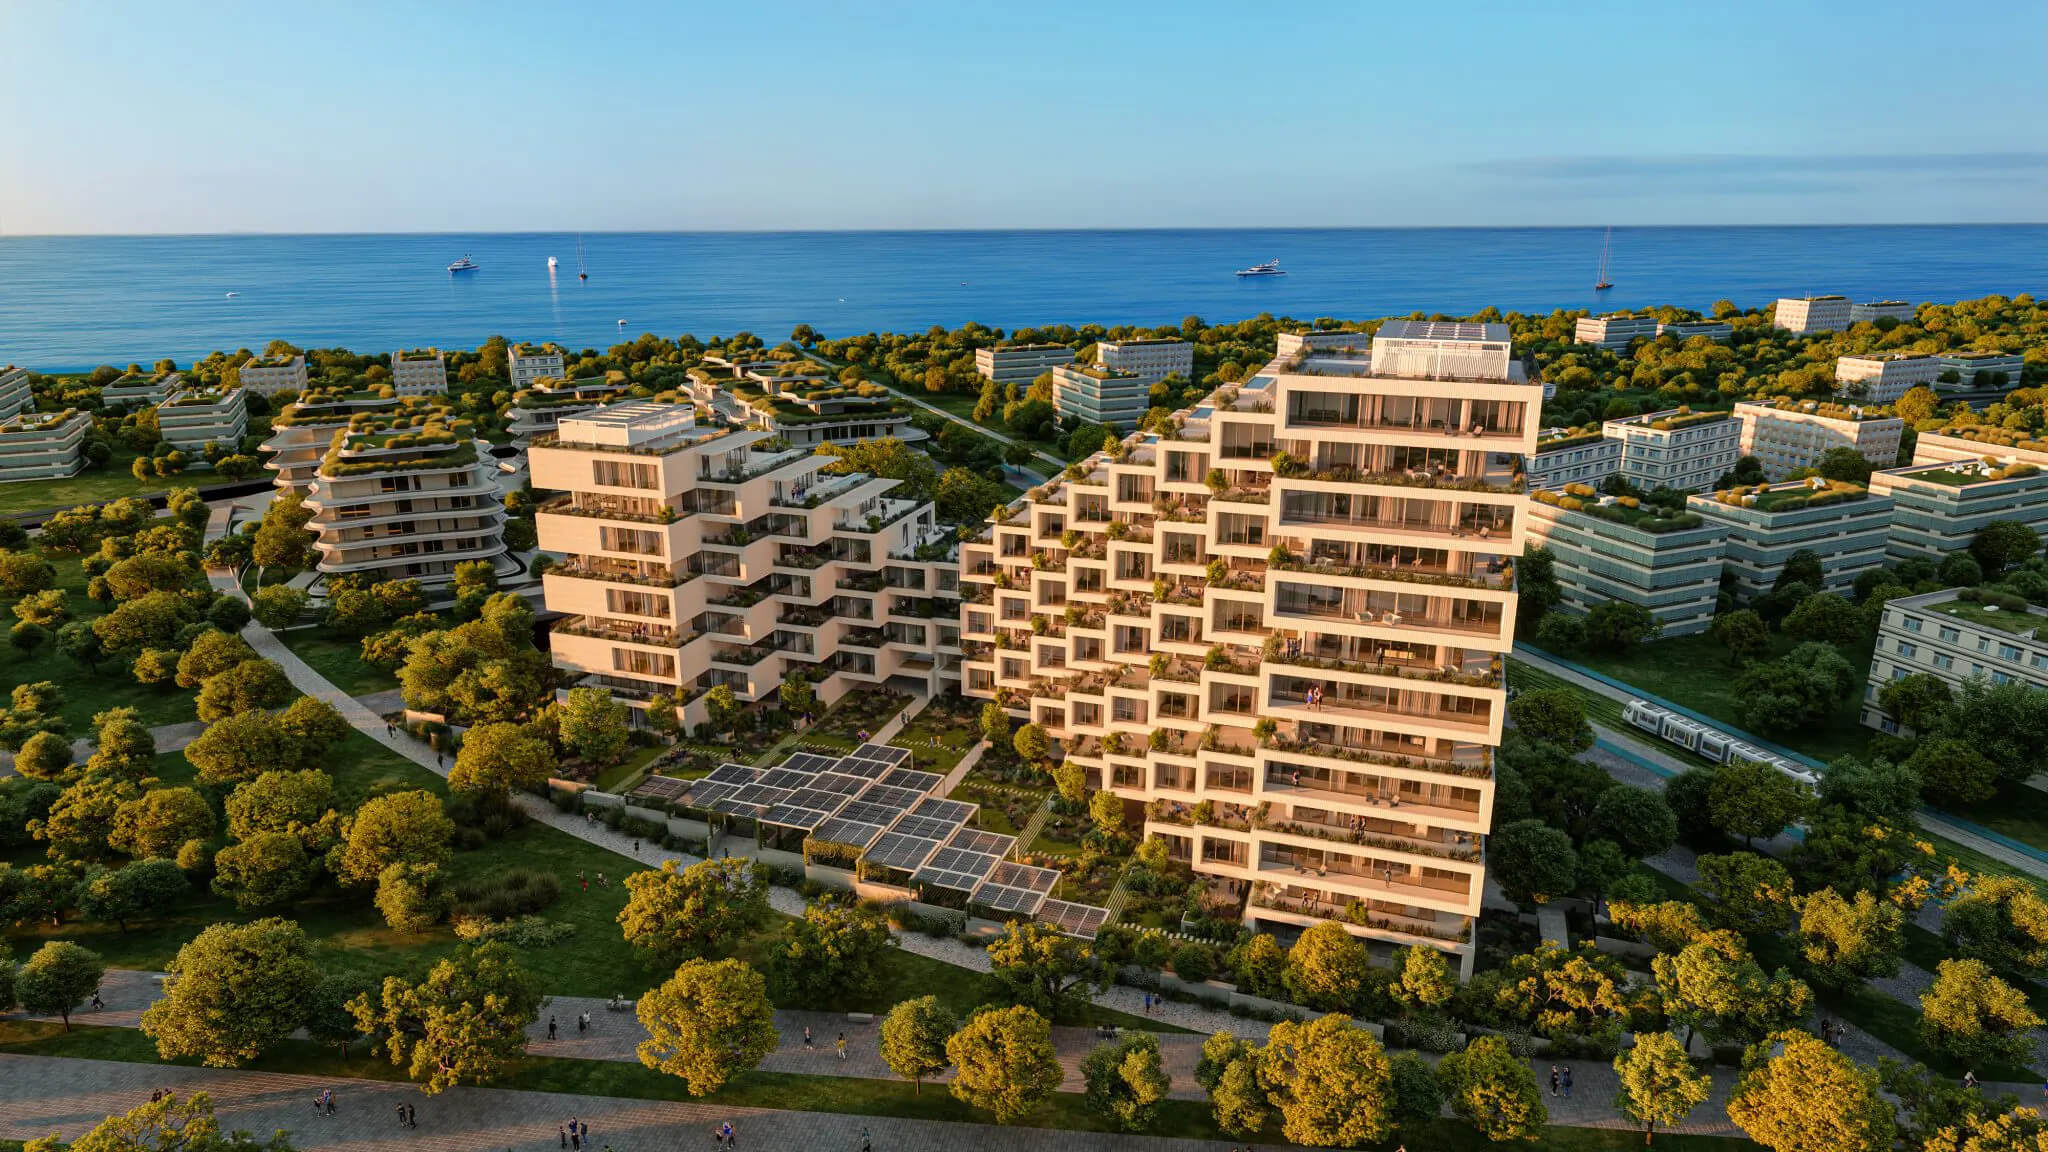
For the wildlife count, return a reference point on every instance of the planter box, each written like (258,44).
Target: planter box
(592,798)
(1251,1003)
(839,879)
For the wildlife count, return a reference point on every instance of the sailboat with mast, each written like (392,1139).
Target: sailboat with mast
(582,273)
(1606,242)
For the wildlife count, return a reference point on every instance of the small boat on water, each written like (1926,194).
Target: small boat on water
(1606,242)
(232,295)
(551,263)
(463,265)
(1269,268)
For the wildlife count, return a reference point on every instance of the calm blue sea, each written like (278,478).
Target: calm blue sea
(69,303)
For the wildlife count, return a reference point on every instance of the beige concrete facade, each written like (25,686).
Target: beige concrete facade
(1153,360)
(406,495)
(303,431)
(528,364)
(269,375)
(194,417)
(43,445)
(1808,314)
(1327,550)
(419,372)
(1787,435)
(1883,378)
(700,556)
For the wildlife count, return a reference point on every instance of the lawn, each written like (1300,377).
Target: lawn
(95,486)
(1694,671)
(846,1095)
(338,658)
(2018,811)
(939,736)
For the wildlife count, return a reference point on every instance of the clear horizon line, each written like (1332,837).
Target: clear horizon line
(978,230)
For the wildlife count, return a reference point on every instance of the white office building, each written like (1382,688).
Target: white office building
(195,417)
(526,364)
(15,396)
(1572,456)
(270,375)
(1882,378)
(1981,369)
(1787,435)
(1150,360)
(1941,634)
(1872,310)
(1678,448)
(1020,364)
(1808,314)
(1097,394)
(419,372)
(1719,331)
(1615,333)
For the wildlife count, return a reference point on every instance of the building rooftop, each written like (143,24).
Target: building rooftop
(1031,347)
(420,354)
(1146,342)
(636,424)
(1623,510)
(1100,372)
(1789,495)
(1964,473)
(524,349)
(1552,439)
(1459,330)
(1881,356)
(1826,410)
(1810,299)
(273,361)
(1671,420)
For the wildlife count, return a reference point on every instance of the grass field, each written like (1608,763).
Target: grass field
(95,486)
(338,658)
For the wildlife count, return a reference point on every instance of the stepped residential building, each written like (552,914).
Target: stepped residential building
(270,375)
(1787,435)
(1883,377)
(1980,369)
(1939,506)
(1572,456)
(1844,524)
(195,417)
(1615,333)
(43,445)
(1153,360)
(700,556)
(419,372)
(1942,634)
(527,364)
(1020,364)
(1873,310)
(1808,314)
(1678,448)
(141,389)
(406,497)
(302,432)
(1719,331)
(1607,549)
(1276,631)
(538,409)
(1095,394)
(15,395)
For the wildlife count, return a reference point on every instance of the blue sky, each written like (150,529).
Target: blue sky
(168,116)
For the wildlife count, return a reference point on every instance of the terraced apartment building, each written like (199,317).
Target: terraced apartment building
(1788,435)
(269,375)
(799,402)
(405,494)
(194,417)
(141,389)
(701,555)
(1845,524)
(43,445)
(1277,631)
(539,408)
(1609,549)
(302,432)
(1098,394)
(15,395)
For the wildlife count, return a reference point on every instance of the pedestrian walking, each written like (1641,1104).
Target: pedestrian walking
(97,1003)
(732,1138)
(842,1045)
(807,1039)
(866,1145)
(412,1116)
(1567,1081)
(575,1139)
(636,852)
(1554,1079)
(317,1107)
(551,1027)
(562,1135)
(579,1020)
(401,1115)
(1970,1080)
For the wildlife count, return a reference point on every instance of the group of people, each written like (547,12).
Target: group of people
(575,1134)
(1561,1078)
(810,1045)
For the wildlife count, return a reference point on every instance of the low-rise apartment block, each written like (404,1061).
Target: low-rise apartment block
(15,395)
(43,445)
(1608,548)
(1677,448)
(1276,630)
(1871,311)
(419,372)
(1787,435)
(1616,332)
(1154,360)
(1808,314)
(701,556)
(538,409)
(1719,331)
(1883,377)
(799,403)
(1288,344)
(1572,456)
(270,375)
(1020,364)
(1939,506)
(1945,635)
(1846,525)
(1096,394)
(406,497)
(1979,369)
(141,389)
(195,417)
(528,364)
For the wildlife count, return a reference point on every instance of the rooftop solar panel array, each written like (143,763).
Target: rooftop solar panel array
(1082,920)
(1013,887)
(898,850)
(987,843)
(911,778)
(663,788)
(853,833)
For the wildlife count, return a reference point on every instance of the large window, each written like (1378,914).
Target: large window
(623,474)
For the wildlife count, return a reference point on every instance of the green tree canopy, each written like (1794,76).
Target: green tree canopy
(833,954)
(1041,966)
(1658,1086)
(707,1023)
(1809,1098)
(1005,1063)
(677,914)
(1553,715)
(1975,1017)
(237,990)
(914,1036)
(1327,967)
(1126,1081)
(463,1024)
(1494,1090)
(1846,942)
(58,978)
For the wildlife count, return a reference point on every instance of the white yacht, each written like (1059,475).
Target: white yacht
(1269,268)
(463,265)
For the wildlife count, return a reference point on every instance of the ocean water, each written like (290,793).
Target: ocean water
(68,303)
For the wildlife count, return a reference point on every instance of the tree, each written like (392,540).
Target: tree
(1952,770)
(403,827)
(1259,964)
(237,990)
(1327,967)
(1802,567)
(1106,809)
(82,819)
(1809,1098)
(2014,1130)
(2001,544)
(1616,626)
(278,606)
(1536,587)
(152,621)
(995,723)
(122,745)
(1426,982)
(139,891)
(1041,966)
(833,954)
(158,821)
(78,641)
(1657,1083)
(1562,632)
(1494,1089)
(593,727)
(412,897)
(2006,723)
(1126,1081)
(44,756)
(1749,893)
(1846,942)
(1826,618)
(309,728)
(1534,861)
(1417,1097)
(2001,920)
(1031,744)
(1749,799)
(1799,689)
(266,870)
(1553,715)
(1847,465)
(1005,1062)
(212,653)
(328,1020)
(250,685)
(1921,702)
(239,747)
(796,694)
(22,573)
(282,540)
(1975,1017)
(707,1023)
(166,1125)
(1919,403)
(57,979)
(1886,792)
(45,608)
(1713,985)
(147,572)
(887,458)
(914,1037)
(676,915)
(1743,634)
(1637,820)
(463,1024)
(498,757)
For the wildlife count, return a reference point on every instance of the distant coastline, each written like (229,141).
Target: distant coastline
(70,303)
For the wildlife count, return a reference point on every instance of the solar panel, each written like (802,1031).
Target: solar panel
(857,766)
(925,828)
(705,794)
(1026,876)
(896,850)
(951,811)
(908,778)
(810,762)
(733,807)
(786,778)
(839,782)
(840,830)
(733,774)
(1081,920)
(894,799)
(663,787)
(1013,887)
(867,812)
(886,753)
(816,798)
(986,843)
(792,816)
